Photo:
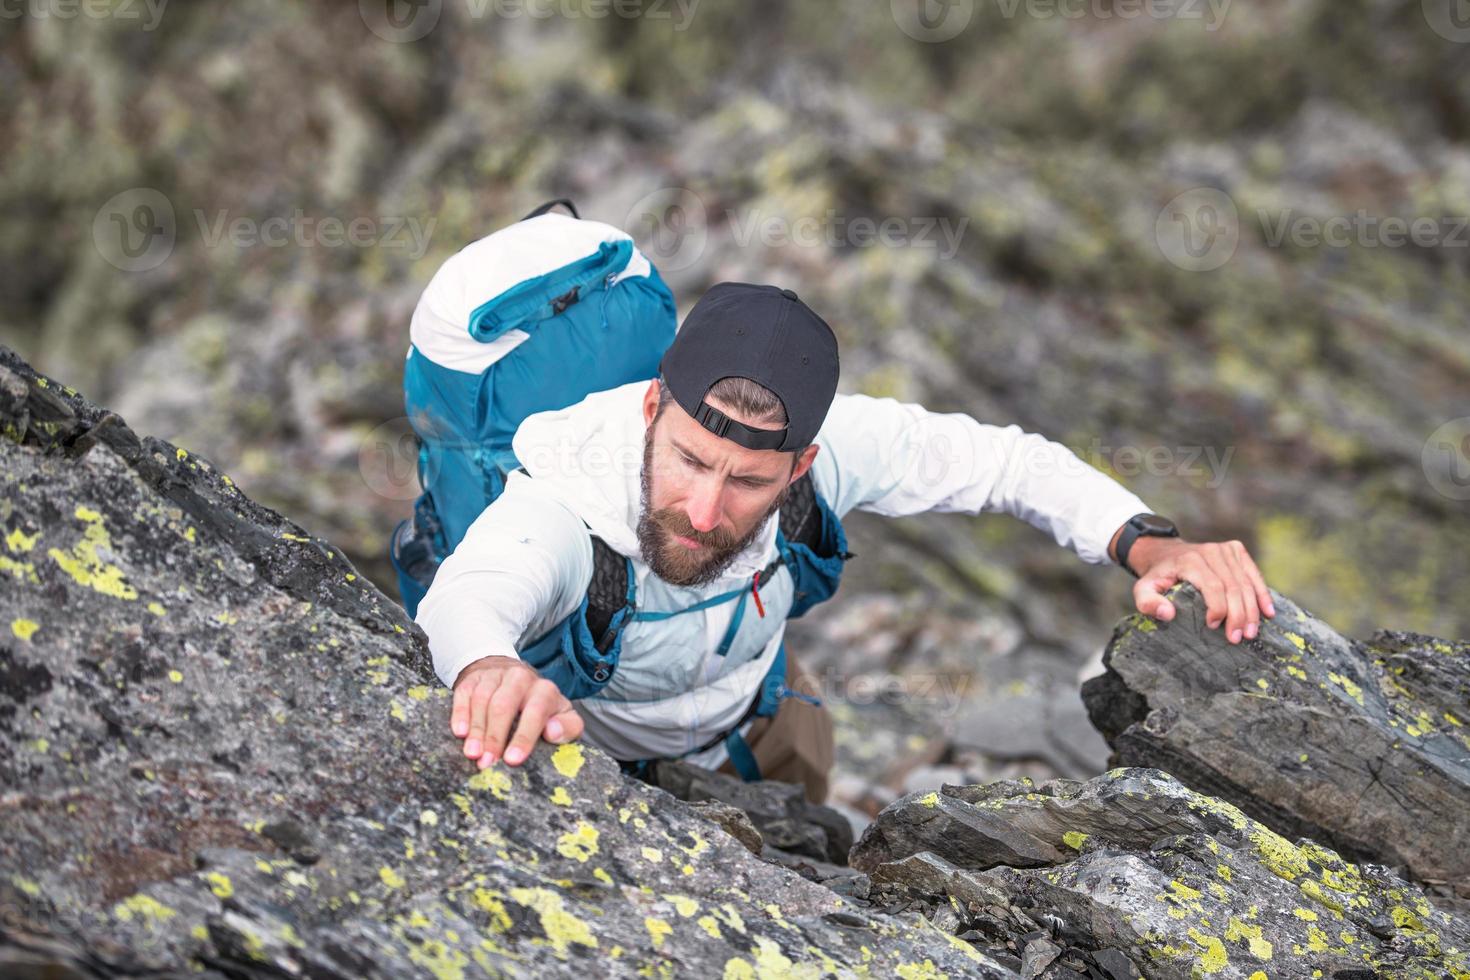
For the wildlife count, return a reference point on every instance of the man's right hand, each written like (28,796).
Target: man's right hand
(490,694)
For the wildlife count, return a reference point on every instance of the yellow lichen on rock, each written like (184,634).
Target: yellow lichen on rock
(1236,930)
(144,908)
(493,780)
(18,542)
(578,844)
(562,928)
(568,759)
(85,565)
(658,931)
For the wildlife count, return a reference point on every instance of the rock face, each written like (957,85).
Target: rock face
(223,751)
(1132,872)
(1361,745)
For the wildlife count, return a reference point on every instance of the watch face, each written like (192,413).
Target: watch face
(1153,524)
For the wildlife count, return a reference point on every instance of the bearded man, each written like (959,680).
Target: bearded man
(632,583)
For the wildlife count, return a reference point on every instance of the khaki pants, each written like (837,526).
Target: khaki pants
(795,744)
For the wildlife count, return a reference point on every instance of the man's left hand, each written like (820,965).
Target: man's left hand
(1226,576)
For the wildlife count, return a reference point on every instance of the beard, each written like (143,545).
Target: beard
(672,561)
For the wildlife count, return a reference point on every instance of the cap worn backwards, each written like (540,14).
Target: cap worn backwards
(767,335)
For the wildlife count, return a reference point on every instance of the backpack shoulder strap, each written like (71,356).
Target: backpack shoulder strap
(799,521)
(608,590)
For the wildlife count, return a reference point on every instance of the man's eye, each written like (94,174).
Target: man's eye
(750,484)
(691,462)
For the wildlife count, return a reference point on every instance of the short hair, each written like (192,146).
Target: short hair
(750,399)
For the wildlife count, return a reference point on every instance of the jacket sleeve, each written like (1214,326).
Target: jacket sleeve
(892,458)
(522,567)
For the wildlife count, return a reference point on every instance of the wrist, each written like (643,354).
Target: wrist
(1140,527)
(495,662)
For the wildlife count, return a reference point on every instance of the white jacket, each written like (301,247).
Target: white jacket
(526,561)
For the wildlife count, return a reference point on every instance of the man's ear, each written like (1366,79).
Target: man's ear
(804,462)
(650,403)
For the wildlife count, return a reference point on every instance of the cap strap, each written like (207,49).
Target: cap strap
(737,432)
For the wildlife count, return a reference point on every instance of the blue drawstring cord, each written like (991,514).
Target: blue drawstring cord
(612,280)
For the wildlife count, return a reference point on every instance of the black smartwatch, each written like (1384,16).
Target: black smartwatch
(1143,526)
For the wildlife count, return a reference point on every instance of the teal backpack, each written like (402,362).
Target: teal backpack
(529,319)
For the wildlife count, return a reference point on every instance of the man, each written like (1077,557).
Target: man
(675,491)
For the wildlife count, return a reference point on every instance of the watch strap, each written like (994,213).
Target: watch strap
(1133,530)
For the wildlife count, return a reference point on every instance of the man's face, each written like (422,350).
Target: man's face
(705,498)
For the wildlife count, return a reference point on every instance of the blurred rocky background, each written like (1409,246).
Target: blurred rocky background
(1219,249)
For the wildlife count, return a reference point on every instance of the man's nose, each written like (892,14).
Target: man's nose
(704,506)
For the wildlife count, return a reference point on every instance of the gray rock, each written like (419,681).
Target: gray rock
(1361,745)
(223,752)
(732,820)
(1180,883)
(780,811)
(949,825)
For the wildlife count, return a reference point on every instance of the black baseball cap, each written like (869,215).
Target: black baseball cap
(765,334)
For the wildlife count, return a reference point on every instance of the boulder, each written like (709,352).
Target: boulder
(779,811)
(1363,746)
(1135,865)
